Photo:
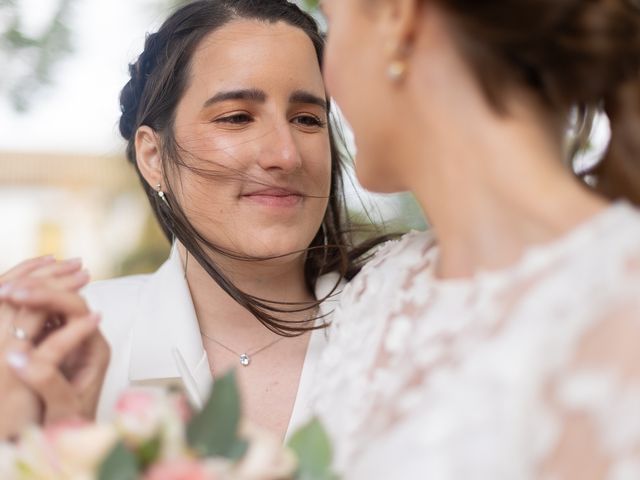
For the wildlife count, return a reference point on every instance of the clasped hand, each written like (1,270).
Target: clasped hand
(53,357)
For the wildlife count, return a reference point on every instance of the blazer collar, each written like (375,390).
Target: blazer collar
(166,334)
(166,342)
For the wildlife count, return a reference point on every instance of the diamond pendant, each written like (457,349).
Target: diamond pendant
(245,360)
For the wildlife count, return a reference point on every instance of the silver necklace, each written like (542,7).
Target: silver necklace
(245,358)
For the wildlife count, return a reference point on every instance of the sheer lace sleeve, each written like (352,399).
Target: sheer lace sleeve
(596,400)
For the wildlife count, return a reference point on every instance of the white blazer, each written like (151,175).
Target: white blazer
(151,326)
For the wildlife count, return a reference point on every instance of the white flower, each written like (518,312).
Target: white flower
(80,449)
(266,459)
(8,461)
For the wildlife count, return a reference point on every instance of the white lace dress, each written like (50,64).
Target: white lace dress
(530,372)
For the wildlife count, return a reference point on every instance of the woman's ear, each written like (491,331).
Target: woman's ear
(148,155)
(400,20)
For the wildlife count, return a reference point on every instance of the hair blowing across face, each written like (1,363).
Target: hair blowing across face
(576,55)
(158,81)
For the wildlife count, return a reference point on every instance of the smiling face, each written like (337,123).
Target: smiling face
(252,128)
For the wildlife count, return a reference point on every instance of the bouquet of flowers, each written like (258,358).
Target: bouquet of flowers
(157,436)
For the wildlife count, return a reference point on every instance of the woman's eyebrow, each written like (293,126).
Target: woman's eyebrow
(253,95)
(302,96)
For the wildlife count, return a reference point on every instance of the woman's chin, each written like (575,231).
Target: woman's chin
(277,249)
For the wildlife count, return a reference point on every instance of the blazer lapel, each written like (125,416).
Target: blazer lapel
(166,340)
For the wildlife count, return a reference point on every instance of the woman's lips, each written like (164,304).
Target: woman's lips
(274,197)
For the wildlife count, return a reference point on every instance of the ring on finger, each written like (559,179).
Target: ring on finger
(20,333)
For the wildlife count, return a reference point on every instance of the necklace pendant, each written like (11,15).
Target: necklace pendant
(245,360)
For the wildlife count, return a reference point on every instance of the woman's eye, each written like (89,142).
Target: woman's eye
(236,119)
(309,121)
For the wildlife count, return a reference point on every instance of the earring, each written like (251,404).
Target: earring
(397,70)
(161,194)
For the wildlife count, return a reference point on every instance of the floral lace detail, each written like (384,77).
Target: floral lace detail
(509,375)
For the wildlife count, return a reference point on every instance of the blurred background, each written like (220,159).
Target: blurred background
(65,186)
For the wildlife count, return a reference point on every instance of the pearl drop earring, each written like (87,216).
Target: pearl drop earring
(397,70)
(162,195)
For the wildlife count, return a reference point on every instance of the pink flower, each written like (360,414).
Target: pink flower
(181,469)
(135,402)
(140,415)
(53,431)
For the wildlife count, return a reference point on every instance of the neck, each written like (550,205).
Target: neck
(495,185)
(221,316)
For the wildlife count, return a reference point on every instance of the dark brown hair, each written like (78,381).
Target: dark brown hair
(577,55)
(159,78)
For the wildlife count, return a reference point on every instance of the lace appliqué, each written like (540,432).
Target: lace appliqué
(478,378)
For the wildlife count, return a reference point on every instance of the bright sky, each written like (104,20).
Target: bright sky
(79,112)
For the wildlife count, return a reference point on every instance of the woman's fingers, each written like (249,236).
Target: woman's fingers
(26,267)
(61,275)
(61,343)
(40,370)
(29,293)
(48,383)
(28,324)
(40,309)
(58,269)
(70,282)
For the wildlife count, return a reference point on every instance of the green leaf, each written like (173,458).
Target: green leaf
(213,432)
(312,446)
(120,464)
(149,451)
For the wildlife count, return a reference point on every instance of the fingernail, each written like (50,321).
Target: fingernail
(47,258)
(82,275)
(17,360)
(5,289)
(95,318)
(19,295)
(74,261)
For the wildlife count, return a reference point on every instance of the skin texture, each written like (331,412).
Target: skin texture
(260,188)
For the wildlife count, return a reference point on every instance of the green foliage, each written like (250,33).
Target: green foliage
(31,59)
(312,447)
(311,4)
(213,432)
(120,464)
(149,452)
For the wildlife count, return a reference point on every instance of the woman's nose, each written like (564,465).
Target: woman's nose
(280,151)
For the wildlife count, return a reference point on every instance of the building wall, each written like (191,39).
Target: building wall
(72,206)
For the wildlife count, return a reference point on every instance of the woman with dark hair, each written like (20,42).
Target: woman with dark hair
(228,127)
(503,343)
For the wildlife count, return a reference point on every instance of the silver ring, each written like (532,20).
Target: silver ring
(20,333)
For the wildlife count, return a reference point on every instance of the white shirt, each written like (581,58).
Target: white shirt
(150,323)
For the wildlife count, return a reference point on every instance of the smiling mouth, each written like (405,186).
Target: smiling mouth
(275,197)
